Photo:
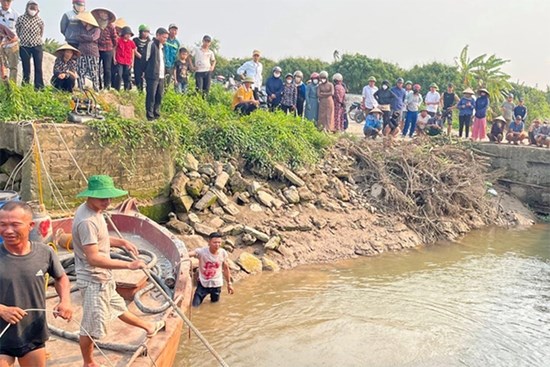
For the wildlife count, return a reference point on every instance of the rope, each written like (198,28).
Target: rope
(20,165)
(86,331)
(172,303)
(38,171)
(69,151)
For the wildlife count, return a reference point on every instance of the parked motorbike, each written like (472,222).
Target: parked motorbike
(356,113)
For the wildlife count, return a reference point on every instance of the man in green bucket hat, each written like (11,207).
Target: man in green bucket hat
(93,265)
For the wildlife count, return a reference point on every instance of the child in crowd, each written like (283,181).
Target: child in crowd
(124,58)
(181,69)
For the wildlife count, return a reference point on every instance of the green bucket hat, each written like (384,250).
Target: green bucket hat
(101,187)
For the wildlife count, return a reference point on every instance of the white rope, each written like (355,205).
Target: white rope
(20,165)
(80,326)
(69,151)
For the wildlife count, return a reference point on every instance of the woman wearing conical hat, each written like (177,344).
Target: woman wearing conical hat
(107,43)
(64,70)
(88,62)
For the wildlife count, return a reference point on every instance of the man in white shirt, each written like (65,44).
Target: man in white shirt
(253,69)
(432,100)
(369,102)
(213,267)
(9,48)
(205,63)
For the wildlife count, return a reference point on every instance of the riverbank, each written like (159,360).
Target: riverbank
(355,202)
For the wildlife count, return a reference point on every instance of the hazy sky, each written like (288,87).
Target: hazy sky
(406,32)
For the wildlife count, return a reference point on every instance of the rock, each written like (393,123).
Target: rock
(229,245)
(247,239)
(289,175)
(278,204)
(207,169)
(238,183)
(183,203)
(203,229)
(178,226)
(217,210)
(273,243)
(221,180)
(320,223)
(265,198)
(3,180)
(255,207)
(190,162)
(9,166)
(377,191)
(294,227)
(194,241)
(216,222)
(193,175)
(223,200)
(230,169)
(269,265)
(306,194)
(292,195)
(341,191)
(228,218)
(254,187)
(194,188)
(218,167)
(243,198)
(204,203)
(232,229)
(231,209)
(193,218)
(233,265)
(127,112)
(258,234)
(177,185)
(249,263)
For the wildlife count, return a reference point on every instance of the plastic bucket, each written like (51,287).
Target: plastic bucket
(6,196)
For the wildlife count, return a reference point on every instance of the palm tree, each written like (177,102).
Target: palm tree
(50,45)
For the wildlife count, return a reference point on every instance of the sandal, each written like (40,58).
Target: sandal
(159,325)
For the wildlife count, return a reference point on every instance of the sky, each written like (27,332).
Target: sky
(406,32)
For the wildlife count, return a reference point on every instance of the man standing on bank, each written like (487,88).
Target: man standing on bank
(93,265)
(212,263)
(23,267)
(154,74)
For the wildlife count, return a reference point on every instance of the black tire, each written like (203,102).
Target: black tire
(359,117)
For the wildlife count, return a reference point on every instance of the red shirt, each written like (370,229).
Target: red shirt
(124,51)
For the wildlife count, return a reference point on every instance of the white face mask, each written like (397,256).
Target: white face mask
(384,87)
(32,13)
(276,75)
(323,80)
(289,81)
(315,81)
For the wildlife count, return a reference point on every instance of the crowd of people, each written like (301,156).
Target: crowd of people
(102,48)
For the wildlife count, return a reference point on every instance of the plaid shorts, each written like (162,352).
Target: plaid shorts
(100,304)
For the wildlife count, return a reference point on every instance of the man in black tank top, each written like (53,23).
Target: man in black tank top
(448,104)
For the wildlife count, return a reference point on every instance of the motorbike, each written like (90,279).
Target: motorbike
(228,83)
(262,98)
(356,113)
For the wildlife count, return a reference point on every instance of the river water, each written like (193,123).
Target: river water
(484,301)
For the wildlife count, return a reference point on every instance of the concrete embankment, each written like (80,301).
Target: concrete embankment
(526,172)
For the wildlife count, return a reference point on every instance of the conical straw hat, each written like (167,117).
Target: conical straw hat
(112,16)
(88,18)
(66,46)
(120,23)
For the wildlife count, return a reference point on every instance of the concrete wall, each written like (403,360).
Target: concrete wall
(144,172)
(527,172)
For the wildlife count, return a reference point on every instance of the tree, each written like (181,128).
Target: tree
(435,72)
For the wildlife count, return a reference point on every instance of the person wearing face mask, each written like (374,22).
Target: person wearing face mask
(290,95)
(325,92)
(9,46)
(107,43)
(30,29)
(301,93)
(70,26)
(312,100)
(274,89)
(385,99)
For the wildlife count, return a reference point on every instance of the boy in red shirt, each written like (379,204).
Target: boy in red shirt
(124,58)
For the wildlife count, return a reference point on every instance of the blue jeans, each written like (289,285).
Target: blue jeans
(410,123)
(181,87)
(202,292)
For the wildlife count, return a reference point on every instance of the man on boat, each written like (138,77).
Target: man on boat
(93,265)
(212,263)
(23,268)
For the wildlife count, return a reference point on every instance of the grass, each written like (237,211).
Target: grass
(189,123)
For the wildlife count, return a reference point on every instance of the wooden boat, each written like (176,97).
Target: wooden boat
(127,346)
